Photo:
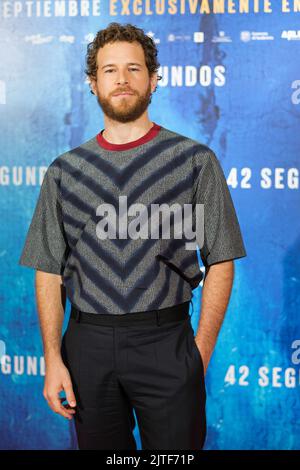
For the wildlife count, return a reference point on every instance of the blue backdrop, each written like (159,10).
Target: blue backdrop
(230,80)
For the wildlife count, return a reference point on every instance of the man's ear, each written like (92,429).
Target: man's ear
(154,81)
(93,85)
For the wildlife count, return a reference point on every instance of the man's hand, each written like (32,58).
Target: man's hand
(58,379)
(51,301)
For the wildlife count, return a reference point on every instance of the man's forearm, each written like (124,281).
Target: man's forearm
(215,298)
(50,298)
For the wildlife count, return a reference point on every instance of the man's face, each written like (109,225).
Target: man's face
(127,72)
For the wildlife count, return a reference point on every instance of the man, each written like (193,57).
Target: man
(129,344)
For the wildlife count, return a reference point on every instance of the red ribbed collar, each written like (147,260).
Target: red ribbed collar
(153,131)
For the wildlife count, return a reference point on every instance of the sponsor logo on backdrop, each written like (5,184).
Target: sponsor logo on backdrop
(68,39)
(89,37)
(198,36)
(290,35)
(152,36)
(178,37)
(247,36)
(221,37)
(36,39)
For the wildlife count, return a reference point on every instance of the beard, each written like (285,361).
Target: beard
(126,109)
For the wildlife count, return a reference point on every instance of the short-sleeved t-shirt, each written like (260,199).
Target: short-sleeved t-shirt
(116,275)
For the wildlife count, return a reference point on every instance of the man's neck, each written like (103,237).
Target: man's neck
(122,135)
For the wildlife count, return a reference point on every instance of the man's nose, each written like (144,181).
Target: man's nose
(122,78)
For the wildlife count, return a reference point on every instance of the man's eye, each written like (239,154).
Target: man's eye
(111,70)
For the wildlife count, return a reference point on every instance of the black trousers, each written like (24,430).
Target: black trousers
(150,364)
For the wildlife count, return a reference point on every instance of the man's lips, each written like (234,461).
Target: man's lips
(123,93)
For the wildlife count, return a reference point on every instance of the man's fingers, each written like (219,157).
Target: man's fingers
(67,406)
(57,407)
(70,397)
(55,401)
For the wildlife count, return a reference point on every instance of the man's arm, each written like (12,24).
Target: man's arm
(51,302)
(216,292)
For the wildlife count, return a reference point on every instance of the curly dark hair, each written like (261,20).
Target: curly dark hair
(118,32)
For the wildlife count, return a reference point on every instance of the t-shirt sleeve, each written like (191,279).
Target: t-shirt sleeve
(222,239)
(46,247)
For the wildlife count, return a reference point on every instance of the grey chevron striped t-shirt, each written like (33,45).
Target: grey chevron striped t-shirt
(122,275)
